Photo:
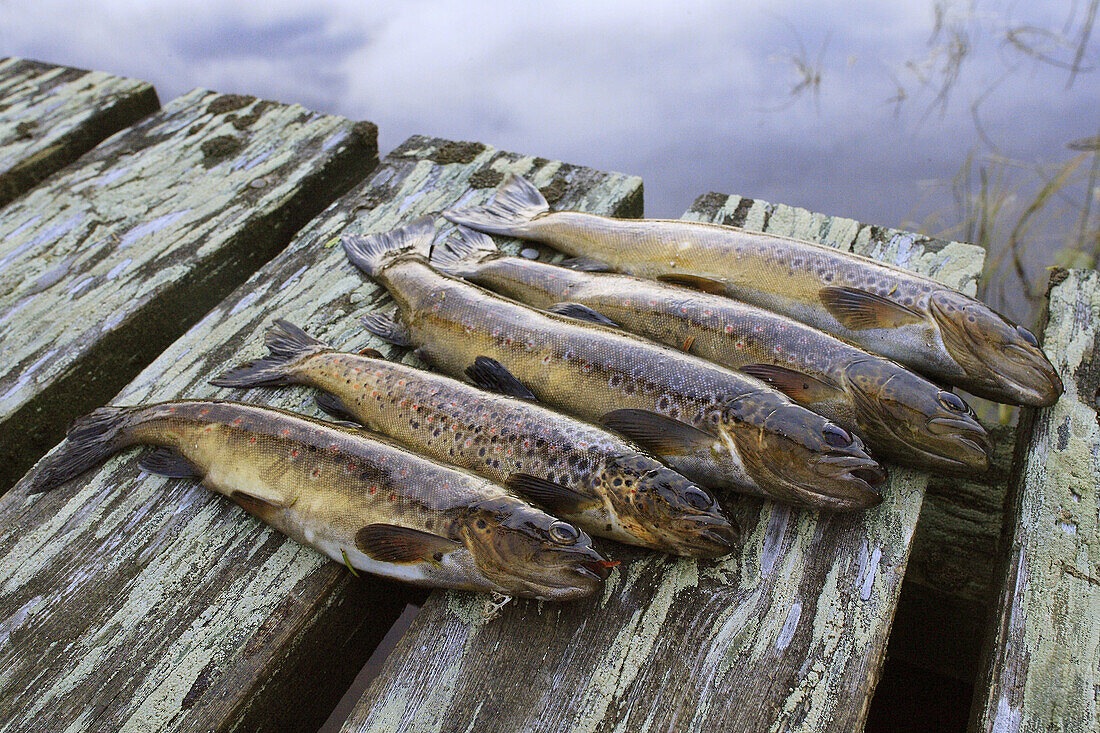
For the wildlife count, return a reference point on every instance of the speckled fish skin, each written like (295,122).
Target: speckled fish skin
(911,319)
(612,487)
(901,415)
(333,488)
(745,436)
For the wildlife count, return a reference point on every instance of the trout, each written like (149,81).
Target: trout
(574,470)
(717,427)
(901,415)
(360,501)
(887,310)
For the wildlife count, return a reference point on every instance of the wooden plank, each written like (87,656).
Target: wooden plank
(140,603)
(1043,670)
(786,634)
(51,115)
(119,254)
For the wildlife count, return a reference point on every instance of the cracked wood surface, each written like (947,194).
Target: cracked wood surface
(134,602)
(51,115)
(113,258)
(787,634)
(1043,669)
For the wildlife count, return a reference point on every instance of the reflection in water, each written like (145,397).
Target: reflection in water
(959,117)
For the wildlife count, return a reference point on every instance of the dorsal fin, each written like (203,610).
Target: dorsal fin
(582,313)
(491,375)
(799,386)
(391,543)
(858,309)
(661,434)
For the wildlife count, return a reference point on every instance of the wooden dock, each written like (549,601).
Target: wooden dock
(145,249)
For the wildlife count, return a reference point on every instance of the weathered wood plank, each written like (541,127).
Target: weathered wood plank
(139,603)
(1044,661)
(114,258)
(51,115)
(787,634)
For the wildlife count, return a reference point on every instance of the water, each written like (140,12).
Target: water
(889,112)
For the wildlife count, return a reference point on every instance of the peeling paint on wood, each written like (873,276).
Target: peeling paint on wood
(1044,658)
(116,256)
(787,634)
(134,602)
(51,115)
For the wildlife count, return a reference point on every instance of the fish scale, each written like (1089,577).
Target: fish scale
(359,500)
(887,310)
(715,426)
(578,471)
(902,415)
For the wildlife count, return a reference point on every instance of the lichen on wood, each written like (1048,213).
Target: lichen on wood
(51,115)
(108,262)
(134,602)
(1043,669)
(786,634)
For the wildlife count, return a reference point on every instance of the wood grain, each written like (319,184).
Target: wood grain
(138,603)
(116,256)
(1043,667)
(51,115)
(787,634)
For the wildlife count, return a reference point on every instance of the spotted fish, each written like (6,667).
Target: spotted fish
(911,319)
(361,501)
(717,427)
(573,469)
(901,415)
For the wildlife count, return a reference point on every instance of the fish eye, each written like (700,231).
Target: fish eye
(837,436)
(697,498)
(563,533)
(1027,336)
(952,401)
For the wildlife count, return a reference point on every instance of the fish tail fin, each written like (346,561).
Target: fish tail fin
(461,252)
(371,252)
(287,345)
(91,440)
(515,204)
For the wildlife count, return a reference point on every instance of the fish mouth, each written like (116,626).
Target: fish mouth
(968,435)
(709,536)
(1034,377)
(852,481)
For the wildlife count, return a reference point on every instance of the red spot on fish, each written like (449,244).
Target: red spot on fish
(356,370)
(400,382)
(286,432)
(237,421)
(204,411)
(373,489)
(252,439)
(294,454)
(351,467)
(316,472)
(729,329)
(208,428)
(393,497)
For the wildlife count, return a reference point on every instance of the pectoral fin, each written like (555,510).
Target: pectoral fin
(168,462)
(493,376)
(695,282)
(390,543)
(552,497)
(858,309)
(662,435)
(250,497)
(582,313)
(331,405)
(799,386)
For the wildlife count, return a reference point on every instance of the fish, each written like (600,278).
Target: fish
(574,470)
(359,500)
(725,430)
(902,416)
(914,320)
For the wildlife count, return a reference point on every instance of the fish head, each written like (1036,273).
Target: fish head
(911,418)
(665,508)
(796,456)
(530,553)
(1002,361)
